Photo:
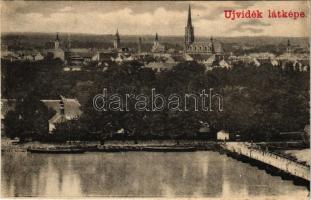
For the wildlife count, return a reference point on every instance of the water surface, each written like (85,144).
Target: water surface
(198,174)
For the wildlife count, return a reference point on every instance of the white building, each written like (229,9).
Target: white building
(222,135)
(157,47)
(66,109)
(57,52)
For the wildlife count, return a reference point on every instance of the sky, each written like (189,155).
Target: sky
(149,17)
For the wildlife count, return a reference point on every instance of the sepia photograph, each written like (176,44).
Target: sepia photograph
(155,99)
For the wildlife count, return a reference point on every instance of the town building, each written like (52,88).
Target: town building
(117,41)
(193,47)
(223,135)
(157,47)
(104,57)
(288,47)
(164,61)
(79,56)
(298,62)
(256,59)
(57,52)
(117,46)
(160,66)
(65,108)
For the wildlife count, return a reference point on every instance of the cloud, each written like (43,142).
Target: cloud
(250,30)
(218,10)
(250,26)
(245,4)
(253,22)
(215,13)
(49,7)
(66,9)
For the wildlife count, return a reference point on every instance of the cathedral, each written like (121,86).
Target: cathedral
(193,47)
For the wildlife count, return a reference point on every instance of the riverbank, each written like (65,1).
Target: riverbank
(114,146)
(295,150)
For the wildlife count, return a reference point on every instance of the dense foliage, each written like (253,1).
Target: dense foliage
(29,119)
(258,102)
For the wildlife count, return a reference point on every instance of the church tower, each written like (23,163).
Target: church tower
(157,47)
(116,41)
(56,42)
(288,48)
(68,41)
(189,35)
(139,45)
(212,46)
(156,40)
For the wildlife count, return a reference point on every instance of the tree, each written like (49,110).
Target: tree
(71,130)
(29,119)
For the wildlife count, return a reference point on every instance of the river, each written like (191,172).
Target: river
(196,174)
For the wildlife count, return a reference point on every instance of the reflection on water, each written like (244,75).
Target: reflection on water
(199,174)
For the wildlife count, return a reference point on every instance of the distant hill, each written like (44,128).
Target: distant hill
(42,40)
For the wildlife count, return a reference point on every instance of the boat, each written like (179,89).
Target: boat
(56,150)
(112,149)
(141,148)
(169,149)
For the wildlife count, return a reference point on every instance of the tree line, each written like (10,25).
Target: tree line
(258,102)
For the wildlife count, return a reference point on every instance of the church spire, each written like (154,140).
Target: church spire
(189,32)
(288,48)
(117,34)
(139,44)
(156,40)
(212,46)
(56,42)
(116,41)
(57,38)
(68,41)
(288,43)
(189,22)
